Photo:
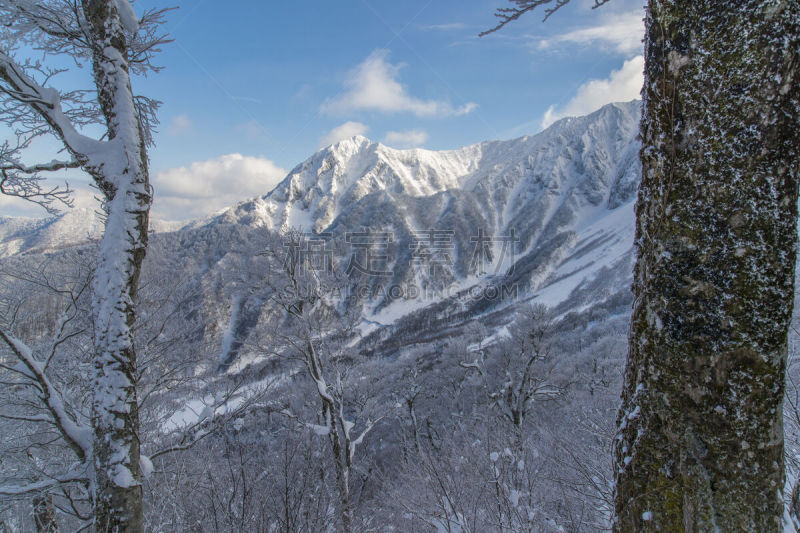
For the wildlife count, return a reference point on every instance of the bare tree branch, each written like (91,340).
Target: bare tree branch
(77,436)
(510,14)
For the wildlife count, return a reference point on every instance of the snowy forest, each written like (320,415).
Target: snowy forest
(589,328)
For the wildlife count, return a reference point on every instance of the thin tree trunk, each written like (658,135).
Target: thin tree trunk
(44,514)
(412,414)
(342,471)
(700,445)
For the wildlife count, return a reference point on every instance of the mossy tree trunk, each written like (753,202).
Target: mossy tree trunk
(700,444)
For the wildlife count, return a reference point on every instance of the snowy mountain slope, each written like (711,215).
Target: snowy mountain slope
(566,195)
(555,209)
(21,235)
(580,159)
(73,227)
(545,190)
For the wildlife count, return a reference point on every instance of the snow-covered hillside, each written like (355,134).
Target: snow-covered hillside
(72,227)
(546,218)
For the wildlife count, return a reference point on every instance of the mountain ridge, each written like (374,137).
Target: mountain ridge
(554,210)
(312,194)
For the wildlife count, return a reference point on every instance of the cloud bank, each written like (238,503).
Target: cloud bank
(623,33)
(405,139)
(205,187)
(345,131)
(622,85)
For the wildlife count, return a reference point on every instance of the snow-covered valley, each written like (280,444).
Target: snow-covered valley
(472,258)
(462,252)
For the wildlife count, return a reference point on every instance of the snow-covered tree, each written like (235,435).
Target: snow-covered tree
(39,40)
(44,403)
(520,373)
(315,335)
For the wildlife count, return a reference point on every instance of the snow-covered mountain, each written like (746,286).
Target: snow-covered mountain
(565,196)
(461,233)
(577,162)
(21,235)
(77,226)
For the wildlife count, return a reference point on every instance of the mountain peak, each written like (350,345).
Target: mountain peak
(572,155)
(349,144)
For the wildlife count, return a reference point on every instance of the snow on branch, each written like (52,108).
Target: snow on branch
(358,440)
(17,85)
(79,473)
(32,108)
(30,188)
(25,181)
(147,41)
(127,17)
(75,434)
(474,365)
(52,166)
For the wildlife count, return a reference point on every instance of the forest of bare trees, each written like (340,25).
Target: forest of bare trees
(117,414)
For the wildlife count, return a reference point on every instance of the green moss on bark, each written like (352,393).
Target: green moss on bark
(714,279)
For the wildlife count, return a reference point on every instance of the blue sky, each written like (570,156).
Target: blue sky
(251,88)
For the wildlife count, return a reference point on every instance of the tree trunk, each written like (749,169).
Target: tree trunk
(125,184)
(700,443)
(342,466)
(44,514)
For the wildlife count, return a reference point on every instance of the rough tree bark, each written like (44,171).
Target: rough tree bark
(700,442)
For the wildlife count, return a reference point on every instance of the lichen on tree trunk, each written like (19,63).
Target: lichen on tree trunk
(700,442)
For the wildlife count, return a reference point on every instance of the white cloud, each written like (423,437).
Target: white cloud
(208,186)
(405,139)
(181,193)
(623,33)
(345,131)
(622,85)
(179,125)
(466,109)
(373,86)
